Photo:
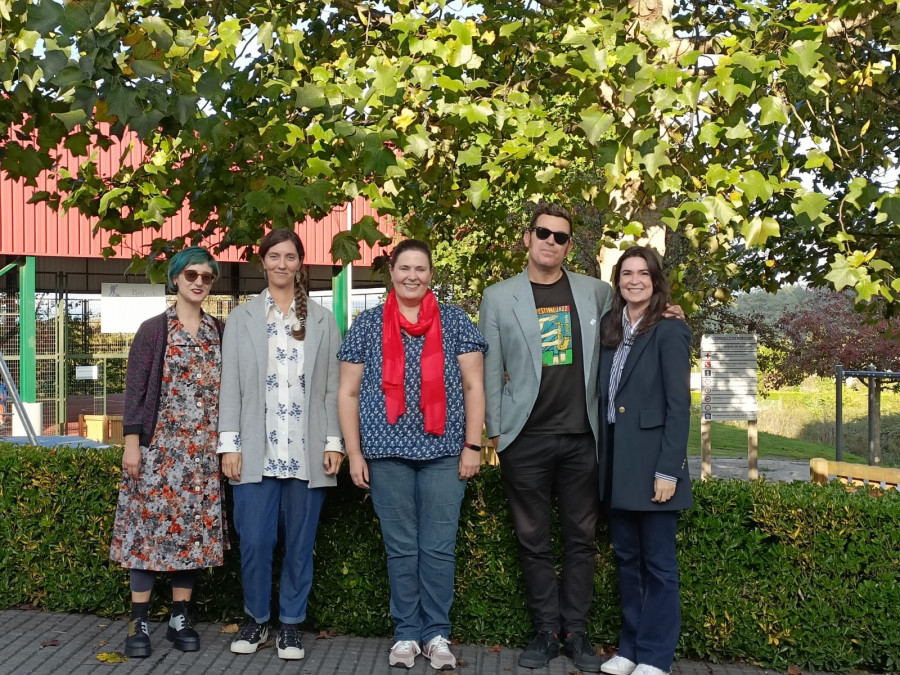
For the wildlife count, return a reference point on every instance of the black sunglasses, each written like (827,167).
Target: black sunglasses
(542,233)
(191,276)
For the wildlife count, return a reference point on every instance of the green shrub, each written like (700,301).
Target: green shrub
(771,573)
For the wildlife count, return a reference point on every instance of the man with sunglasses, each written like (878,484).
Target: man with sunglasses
(540,375)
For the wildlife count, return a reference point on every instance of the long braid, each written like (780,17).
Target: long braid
(301,300)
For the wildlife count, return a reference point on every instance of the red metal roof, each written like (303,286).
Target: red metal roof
(38,230)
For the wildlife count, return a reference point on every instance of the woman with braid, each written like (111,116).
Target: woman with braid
(169,515)
(279,437)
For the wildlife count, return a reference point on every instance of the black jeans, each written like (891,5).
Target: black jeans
(537,467)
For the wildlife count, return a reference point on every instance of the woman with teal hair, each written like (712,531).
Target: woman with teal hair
(169,516)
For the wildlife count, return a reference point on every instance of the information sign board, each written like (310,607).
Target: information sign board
(728,375)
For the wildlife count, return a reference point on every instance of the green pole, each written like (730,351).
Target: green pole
(27,333)
(340,293)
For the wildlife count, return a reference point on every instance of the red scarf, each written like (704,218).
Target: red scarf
(433,401)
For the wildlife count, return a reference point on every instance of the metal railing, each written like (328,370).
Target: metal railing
(873,380)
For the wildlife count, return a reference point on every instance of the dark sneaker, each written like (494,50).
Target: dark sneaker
(181,633)
(137,644)
(252,636)
(540,650)
(289,645)
(579,648)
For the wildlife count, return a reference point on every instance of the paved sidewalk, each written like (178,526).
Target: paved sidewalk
(43,643)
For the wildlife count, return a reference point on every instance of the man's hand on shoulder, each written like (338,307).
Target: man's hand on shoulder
(673,312)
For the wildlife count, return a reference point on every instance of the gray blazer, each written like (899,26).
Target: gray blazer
(508,320)
(242,397)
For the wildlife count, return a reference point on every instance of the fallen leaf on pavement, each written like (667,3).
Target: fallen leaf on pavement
(50,643)
(229,628)
(325,634)
(794,670)
(102,643)
(112,657)
(495,648)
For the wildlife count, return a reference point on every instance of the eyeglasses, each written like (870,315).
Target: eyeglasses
(542,233)
(191,276)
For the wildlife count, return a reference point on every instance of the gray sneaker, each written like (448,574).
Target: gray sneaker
(438,652)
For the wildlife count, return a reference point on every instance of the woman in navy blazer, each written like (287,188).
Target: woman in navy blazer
(645,402)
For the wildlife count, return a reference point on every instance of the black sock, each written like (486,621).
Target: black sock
(140,610)
(180,607)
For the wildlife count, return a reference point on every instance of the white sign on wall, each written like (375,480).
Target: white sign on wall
(123,307)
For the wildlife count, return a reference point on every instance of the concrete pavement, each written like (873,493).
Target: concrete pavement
(43,643)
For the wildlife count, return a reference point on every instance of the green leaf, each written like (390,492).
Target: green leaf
(45,16)
(478,191)
(720,209)
(345,248)
(259,200)
(72,118)
(147,68)
(758,230)
(508,29)
(471,156)
(476,112)
(111,198)
(803,55)
(843,274)
(366,229)
(756,186)
(78,144)
(546,174)
(810,211)
(772,111)
(709,133)
(310,96)
(889,210)
(595,123)
(418,144)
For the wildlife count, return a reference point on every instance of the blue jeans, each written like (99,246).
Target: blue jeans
(260,511)
(417,502)
(644,542)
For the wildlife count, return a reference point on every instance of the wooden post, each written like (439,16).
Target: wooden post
(705,451)
(752,450)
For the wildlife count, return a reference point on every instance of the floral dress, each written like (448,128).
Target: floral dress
(172,517)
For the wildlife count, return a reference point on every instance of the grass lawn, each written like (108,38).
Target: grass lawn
(731,441)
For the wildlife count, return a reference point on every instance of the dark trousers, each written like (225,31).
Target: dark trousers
(536,468)
(648,583)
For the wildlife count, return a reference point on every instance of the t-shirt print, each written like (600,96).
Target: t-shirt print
(556,335)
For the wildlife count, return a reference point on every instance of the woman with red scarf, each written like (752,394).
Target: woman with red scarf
(411,407)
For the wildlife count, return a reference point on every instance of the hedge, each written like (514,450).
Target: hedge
(772,573)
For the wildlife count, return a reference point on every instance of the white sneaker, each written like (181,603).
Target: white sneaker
(618,665)
(438,652)
(404,653)
(646,669)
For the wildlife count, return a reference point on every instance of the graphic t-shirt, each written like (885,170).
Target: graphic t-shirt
(561,407)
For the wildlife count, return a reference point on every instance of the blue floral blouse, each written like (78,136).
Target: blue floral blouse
(407,438)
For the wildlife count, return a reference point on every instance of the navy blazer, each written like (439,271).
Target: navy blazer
(653,418)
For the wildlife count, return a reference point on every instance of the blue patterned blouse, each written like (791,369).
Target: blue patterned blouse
(407,438)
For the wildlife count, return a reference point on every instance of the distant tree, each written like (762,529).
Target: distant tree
(827,330)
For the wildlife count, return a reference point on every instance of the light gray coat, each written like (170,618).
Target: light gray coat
(508,320)
(242,397)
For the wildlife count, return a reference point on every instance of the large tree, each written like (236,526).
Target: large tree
(755,139)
